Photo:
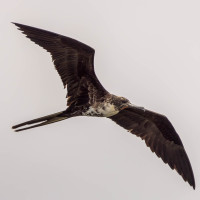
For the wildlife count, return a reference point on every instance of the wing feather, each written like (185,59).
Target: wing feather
(160,136)
(73,60)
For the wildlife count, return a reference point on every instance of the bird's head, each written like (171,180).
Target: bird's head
(125,103)
(121,103)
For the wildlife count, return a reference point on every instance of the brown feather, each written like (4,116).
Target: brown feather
(73,60)
(160,136)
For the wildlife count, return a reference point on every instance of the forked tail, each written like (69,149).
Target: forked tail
(43,121)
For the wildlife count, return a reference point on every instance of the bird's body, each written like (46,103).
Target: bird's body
(108,107)
(87,97)
(104,109)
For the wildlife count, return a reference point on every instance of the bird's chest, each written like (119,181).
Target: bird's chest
(102,110)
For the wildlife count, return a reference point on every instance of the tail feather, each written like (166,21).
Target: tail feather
(43,121)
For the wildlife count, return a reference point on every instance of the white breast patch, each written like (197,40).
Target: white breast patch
(104,110)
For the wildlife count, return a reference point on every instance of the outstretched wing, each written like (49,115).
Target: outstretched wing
(73,60)
(160,136)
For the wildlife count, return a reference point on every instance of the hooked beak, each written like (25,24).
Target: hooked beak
(137,107)
(127,105)
(130,105)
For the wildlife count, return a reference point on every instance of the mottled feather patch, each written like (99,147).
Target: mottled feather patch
(102,110)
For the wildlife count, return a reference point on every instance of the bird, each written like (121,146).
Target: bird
(74,62)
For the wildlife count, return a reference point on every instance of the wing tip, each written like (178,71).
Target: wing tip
(16,24)
(19,26)
(192,183)
(22,27)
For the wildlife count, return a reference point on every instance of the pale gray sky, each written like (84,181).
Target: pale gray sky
(147,51)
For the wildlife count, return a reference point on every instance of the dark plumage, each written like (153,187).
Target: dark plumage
(74,62)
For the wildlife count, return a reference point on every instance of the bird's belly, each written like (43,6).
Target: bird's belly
(106,110)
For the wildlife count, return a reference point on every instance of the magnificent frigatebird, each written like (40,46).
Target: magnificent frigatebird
(74,62)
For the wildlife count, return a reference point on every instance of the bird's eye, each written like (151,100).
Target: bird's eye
(124,101)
